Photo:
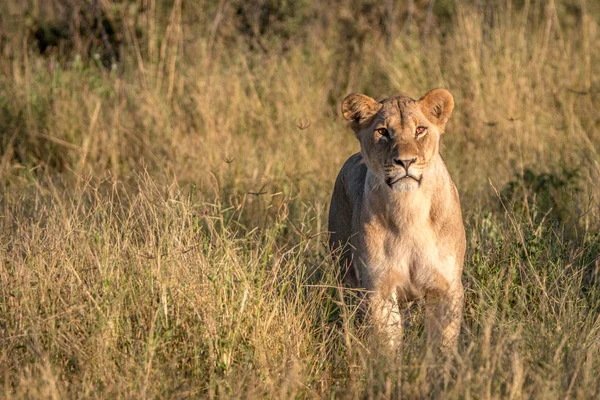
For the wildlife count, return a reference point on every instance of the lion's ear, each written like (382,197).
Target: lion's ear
(437,105)
(358,108)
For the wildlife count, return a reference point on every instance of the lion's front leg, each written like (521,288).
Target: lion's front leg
(444,317)
(386,317)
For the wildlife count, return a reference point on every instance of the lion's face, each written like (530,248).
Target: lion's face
(399,136)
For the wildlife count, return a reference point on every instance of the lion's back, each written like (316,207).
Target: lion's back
(348,190)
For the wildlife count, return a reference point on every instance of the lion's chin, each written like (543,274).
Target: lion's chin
(406,184)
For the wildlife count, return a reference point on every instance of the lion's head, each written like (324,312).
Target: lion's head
(399,136)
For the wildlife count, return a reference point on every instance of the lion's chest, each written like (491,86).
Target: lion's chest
(405,258)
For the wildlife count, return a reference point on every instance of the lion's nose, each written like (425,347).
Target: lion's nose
(404,163)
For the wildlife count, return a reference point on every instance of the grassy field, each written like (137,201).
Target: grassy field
(165,175)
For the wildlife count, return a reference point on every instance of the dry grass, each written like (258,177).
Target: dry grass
(162,231)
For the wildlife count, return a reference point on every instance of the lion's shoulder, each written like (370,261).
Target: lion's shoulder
(352,176)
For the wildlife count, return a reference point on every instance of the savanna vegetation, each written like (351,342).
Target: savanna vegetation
(165,173)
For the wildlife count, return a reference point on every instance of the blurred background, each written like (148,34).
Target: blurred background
(106,85)
(165,174)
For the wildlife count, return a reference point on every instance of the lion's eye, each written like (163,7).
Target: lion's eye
(421,130)
(383,132)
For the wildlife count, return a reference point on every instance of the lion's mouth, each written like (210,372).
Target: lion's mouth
(391,181)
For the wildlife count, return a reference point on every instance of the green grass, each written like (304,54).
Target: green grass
(163,223)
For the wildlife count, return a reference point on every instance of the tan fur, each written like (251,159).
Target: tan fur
(399,231)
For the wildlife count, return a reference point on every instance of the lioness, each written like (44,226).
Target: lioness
(395,216)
